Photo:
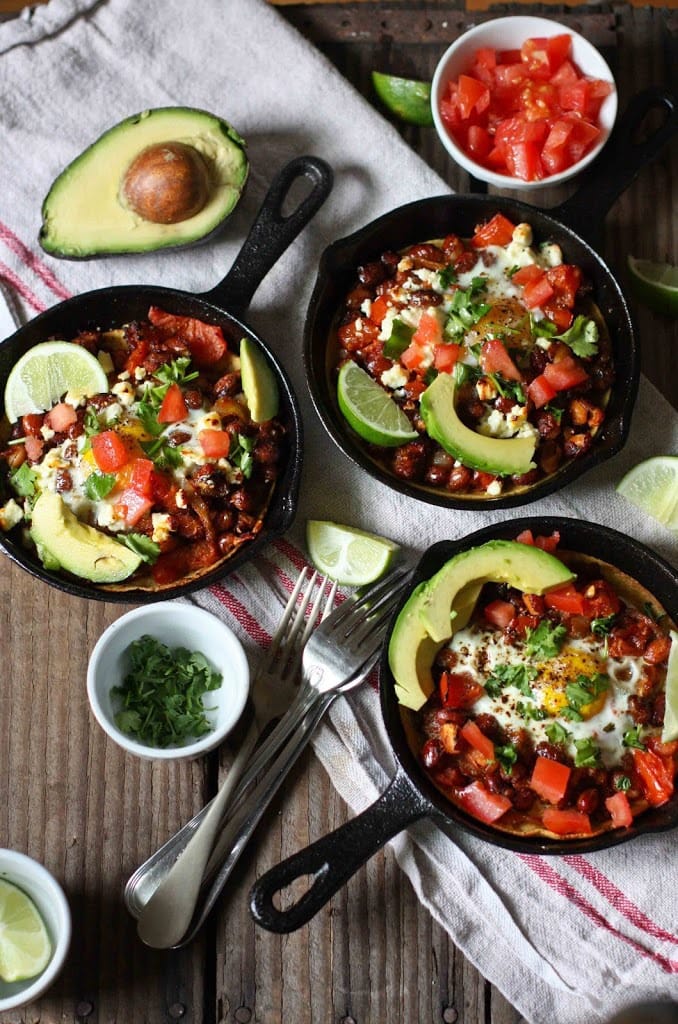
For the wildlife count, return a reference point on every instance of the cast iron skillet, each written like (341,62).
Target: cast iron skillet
(576,225)
(270,235)
(332,860)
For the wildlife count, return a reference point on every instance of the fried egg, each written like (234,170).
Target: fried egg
(581,688)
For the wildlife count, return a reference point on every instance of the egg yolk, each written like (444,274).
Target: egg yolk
(559,672)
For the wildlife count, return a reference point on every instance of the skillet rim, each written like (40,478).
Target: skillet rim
(642,564)
(339,261)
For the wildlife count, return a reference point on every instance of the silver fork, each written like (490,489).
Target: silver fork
(338,656)
(170,882)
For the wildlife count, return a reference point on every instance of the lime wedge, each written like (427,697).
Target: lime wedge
(44,374)
(655,284)
(349,556)
(407,98)
(670,730)
(25,947)
(652,486)
(370,410)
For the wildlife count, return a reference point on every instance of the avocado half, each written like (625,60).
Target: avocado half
(86,212)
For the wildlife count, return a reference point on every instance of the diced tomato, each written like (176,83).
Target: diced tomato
(526,537)
(549,779)
(655,776)
(559,49)
(620,810)
(527,274)
(509,74)
(565,599)
(473,95)
(131,506)
(565,280)
(495,359)
(414,357)
(173,407)
(499,613)
(565,75)
(566,373)
(497,231)
(445,357)
(566,822)
(536,293)
(535,57)
(459,689)
(554,155)
(549,543)
(60,417)
(205,342)
(141,477)
(540,391)
(583,137)
(523,160)
(429,331)
(478,801)
(216,444)
(600,600)
(486,57)
(478,142)
(109,451)
(34,448)
(379,309)
(137,355)
(560,316)
(477,739)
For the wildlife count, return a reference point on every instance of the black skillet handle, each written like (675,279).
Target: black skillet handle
(272,233)
(618,164)
(333,859)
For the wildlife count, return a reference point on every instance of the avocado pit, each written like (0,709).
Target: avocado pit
(166,183)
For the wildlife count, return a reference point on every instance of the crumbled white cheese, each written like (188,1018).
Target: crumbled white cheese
(209,421)
(551,254)
(125,392)
(394,377)
(517,416)
(111,412)
(74,398)
(366,307)
(46,432)
(10,515)
(180,499)
(494,489)
(522,234)
(430,277)
(162,526)
(387,324)
(139,372)
(485,389)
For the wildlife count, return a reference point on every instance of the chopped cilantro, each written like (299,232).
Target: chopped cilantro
(584,690)
(542,328)
(240,454)
(176,372)
(162,453)
(622,782)
(531,711)
(464,311)
(555,412)
(602,626)
(162,693)
(508,388)
(546,639)
(90,423)
(586,753)
(98,485)
(24,480)
(447,276)
(399,339)
(511,675)
(507,757)
(581,337)
(631,738)
(557,733)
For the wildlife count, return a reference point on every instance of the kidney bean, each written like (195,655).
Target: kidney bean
(409,460)
(453,247)
(425,297)
(639,709)
(372,274)
(193,398)
(525,479)
(63,481)
(459,479)
(576,444)
(431,753)
(547,424)
(466,262)
(426,255)
(588,801)
(436,475)
(657,651)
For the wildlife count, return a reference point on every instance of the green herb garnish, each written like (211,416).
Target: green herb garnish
(586,753)
(622,782)
(162,694)
(511,675)
(584,690)
(399,339)
(447,276)
(24,480)
(464,310)
(98,485)
(507,757)
(546,639)
(141,545)
(631,738)
(581,337)
(240,454)
(557,733)
(601,627)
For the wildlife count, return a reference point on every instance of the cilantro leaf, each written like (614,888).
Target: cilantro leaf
(622,782)
(447,276)
(518,676)
(557,733)
(584,690)
(398,340)
(586,753)
(546,639)
(141,545)
(602,626)
(24,480)
(98,485)
(631,738)
(507,757)
(464,311)
(581,337)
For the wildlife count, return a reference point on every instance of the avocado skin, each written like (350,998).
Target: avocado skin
(443,604)
(510,456)
(83,216)
(79,549)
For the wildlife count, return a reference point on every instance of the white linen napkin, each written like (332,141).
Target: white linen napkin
(568,940)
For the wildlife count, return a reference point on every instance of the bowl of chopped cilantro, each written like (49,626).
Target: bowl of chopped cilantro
(168,680)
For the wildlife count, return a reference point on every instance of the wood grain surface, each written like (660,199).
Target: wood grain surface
(91,814)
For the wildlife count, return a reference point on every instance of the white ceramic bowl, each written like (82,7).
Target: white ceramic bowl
(177,625)
(51,902)
(507,34)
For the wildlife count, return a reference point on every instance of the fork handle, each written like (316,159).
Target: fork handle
(332,860)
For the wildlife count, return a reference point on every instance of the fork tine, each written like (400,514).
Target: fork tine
(376,622)
(366,598)
(313,616)
(277,637)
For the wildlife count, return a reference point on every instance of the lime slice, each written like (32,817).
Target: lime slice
(652,486)
(655,284)
(370,410)
(670,730)
(46,372)
(347,555)
(25,947)
(407,98)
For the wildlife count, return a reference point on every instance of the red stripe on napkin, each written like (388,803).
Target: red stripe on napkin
(241,614)
(31,260)
(20,288)
(564,888)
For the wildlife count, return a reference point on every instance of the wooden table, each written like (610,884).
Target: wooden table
(372,954)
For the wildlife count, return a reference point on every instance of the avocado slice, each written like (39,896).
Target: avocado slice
(79,549)
(510,456)
(258,383)
(440,606)
(92,208)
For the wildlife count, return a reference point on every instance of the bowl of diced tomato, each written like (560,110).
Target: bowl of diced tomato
(522,102)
